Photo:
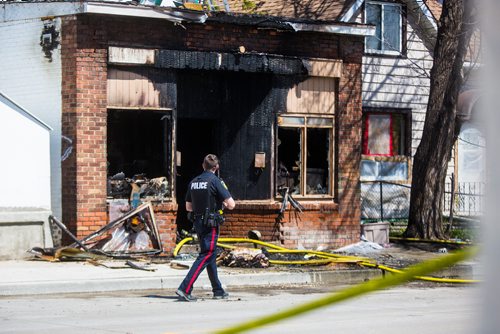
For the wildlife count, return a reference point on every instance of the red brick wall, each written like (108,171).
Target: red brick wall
(165,215)
(84,122)
(84,54)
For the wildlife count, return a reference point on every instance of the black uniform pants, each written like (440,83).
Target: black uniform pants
(207,237)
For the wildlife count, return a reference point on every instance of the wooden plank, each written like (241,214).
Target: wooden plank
(131,89)
(130,83)
(324,68)
(120,88)
(111,91)
(314,95)
(119,55)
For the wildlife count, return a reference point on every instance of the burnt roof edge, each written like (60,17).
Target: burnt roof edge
(291,24)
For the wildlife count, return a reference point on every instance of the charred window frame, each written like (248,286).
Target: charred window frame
(304,155)
(139,153)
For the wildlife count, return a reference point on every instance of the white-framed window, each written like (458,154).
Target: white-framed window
(388,21)
(305,155)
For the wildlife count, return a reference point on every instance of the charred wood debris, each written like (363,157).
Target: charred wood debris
(132,236)
(133,233)
(154,189)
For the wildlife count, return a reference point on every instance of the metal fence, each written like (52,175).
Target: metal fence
(382,200)
(468,199)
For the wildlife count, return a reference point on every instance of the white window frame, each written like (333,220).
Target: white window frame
(384,51)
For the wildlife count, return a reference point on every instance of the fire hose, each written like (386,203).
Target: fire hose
(325,258)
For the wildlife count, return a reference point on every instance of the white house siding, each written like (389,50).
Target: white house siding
(34,82)
(25,153)
(400,82)
(25,197)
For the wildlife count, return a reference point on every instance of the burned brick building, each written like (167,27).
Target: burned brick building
(150,90)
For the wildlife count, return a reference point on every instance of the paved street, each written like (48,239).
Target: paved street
(416,308)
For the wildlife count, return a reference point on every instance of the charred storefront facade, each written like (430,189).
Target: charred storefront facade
(279,102)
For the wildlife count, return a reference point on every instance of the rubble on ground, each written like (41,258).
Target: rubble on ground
(243,258)
(132,234)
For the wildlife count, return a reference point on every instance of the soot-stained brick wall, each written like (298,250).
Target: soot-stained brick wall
(84,45)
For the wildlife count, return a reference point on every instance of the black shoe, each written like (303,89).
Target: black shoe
(184,296)
(223,295)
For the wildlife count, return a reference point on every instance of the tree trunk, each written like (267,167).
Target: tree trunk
(441,126)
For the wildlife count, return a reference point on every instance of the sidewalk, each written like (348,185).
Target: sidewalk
(40,277)
(37,277)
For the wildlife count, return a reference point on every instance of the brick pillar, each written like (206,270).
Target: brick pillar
(84,119)
(349,144)
(165,215)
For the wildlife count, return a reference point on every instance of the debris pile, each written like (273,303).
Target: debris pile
(133,234)
(120,186)
(362,247)
(243,258)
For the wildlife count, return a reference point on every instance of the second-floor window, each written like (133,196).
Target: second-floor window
(387,19)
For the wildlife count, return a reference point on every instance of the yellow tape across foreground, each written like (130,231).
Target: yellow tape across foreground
(423,268)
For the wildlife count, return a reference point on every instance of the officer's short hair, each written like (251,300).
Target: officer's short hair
(210,162)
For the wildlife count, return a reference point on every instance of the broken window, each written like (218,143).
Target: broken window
(305,155)
(139,154)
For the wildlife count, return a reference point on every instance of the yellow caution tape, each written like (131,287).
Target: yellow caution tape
(410,273)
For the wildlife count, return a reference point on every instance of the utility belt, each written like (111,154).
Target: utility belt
(210,219)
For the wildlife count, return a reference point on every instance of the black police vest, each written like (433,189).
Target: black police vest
(203,200)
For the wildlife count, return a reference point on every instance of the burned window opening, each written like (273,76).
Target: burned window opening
(139,154)
(304,157)
(289,159)
(318,143)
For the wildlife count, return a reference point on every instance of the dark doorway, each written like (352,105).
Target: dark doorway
(229,114)
(194,141)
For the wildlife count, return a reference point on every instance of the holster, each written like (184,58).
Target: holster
(213,219)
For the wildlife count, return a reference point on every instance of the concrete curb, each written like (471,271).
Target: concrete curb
(53,278)
(171,283)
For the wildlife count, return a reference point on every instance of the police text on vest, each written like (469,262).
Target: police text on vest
(199,185)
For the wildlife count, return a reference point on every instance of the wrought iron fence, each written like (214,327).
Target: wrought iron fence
(468,199)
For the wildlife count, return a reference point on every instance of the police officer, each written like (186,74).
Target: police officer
(206,196)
